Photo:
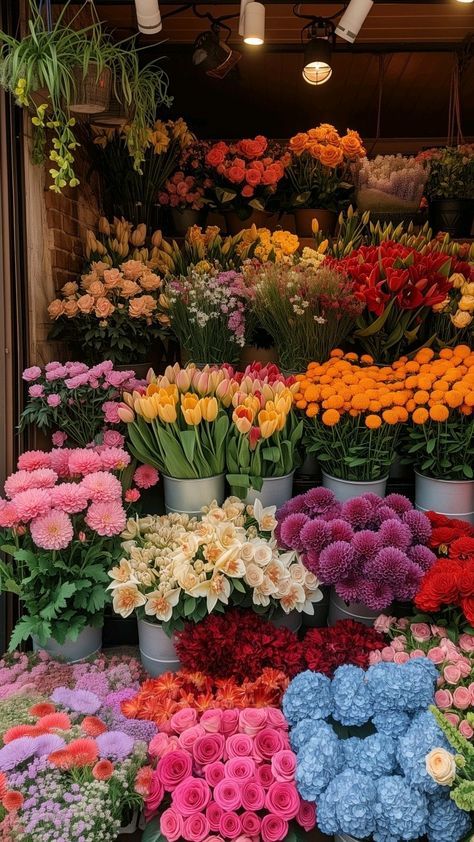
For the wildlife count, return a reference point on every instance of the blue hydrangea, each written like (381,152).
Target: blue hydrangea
(318,761)
(308,695)
(347,805)
(446,822)
(401,811)
(422,736)
(394,723)
(402,687)
(301,733)
(351,701)
(375,755)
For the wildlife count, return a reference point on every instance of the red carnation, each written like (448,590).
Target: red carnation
(347,642)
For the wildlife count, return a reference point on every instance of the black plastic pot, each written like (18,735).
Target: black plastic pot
(455,216)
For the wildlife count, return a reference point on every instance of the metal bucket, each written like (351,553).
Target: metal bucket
(454,498)
(340,610)
(347,489)
(275,491)
(157,650)
(88,643)
(188,496)
(344,837)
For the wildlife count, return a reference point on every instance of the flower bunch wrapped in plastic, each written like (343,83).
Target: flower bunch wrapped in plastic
(229,773)
(59,523)
(413,637)
(371,782)
(371,549)
(174,569)
(390,183)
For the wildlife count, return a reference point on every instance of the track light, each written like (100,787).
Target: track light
(252,22)
(148,16)
(213,55)
(353,19)
(317,63)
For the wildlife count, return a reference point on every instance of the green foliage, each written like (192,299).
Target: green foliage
(349,450)
(441,449)
(451,173)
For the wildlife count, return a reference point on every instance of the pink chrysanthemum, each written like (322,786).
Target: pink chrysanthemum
(291,531)
(340,530)
(319,500)
(19,481)
(384,513)
(389,565)
(60,461)
(376,595)
(31,460)
(83,461)
(52,531)
(145,476)
(349,589)
(112,438)
(398,502)
(366,544)
(315,535)
(102,487)
(419,525)
(336,562)
(422,556)
(310,560)
(69,497)
(114,459)
(394,533)
(357,511)
(106,519)
(32,503)
(8,516)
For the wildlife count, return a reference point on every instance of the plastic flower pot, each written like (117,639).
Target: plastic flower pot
(340,610)
(345,489)
(454,498)
(275,491)
(184,219)
(455,216)
(188,496)
(157,650)
(88,643)
(291,621)
(304,219)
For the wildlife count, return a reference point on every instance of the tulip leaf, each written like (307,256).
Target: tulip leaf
(377,325)
(225,196)
(240,480)
(271,454)
(188,442)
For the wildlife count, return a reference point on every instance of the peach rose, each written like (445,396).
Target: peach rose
(352,145)
(129,288)
(441,766)
(70,308)
(253,148)
(85,303)
(298,143)
(56,309)
(69,289)
(103,308)
(331,156)
(132,269)
(97,289)
(141,307)
(89,278)
(112,278)
(315,149)
(150,282)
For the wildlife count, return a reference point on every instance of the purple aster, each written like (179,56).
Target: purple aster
(336,562)
(320,500)
(422,556)
(357,511)
(290,531)
(15,753)
(47,743)
(394,533)
(389,565)
(116,745)
(375,595)
(115,699)
(315,535)
(95,682)
(139,729)
(366,544)
(399,503)
(384,513)
(420,526)
(341,530)
(349,589)
(81,701)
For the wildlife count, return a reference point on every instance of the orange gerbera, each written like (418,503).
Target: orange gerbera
(54,721)
(103,770)
(83,751)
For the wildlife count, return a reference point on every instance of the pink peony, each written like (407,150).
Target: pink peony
(83,461)
(306,815)
(443,699)
(283,800)
(421,632)
(59,438)
(284,765)
(52,531)
(267,743)
(109,408)
(69,497)
(171,825)
(239,745)
(36,391)
(208,749)
(114,458)
(250,823)
(214,773)
(32,503)
(227,794)
(31,373)
(196,828)
(452,674)
(102,487)
(31,460)
(465,729)
(265,775)
(188,738)
(173,768)
(253,796)
(462,698)
(191,796)
(53,400)
(112,438)
(214,815)
(107,519)
(183,719)
(252,720)
(240,769)
(273,828)
(145,476)
(211,720)
(230,826)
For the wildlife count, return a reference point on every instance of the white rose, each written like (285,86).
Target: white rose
(253,575)
(247,552)
(298,573)
(441,765)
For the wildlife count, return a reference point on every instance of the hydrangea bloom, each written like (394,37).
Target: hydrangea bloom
(446,822)
(394,723)
(401,811)
(347,805)
(352,704)
(422,736)
(374,756)
(407,689)
(318,761)
(309,692)
(302,732)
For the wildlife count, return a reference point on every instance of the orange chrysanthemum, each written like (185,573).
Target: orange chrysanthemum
(42,709)
(54,722)
(12,800)
(83,751)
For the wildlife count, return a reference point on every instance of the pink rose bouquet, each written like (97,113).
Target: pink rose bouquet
(225,775)
(60,520)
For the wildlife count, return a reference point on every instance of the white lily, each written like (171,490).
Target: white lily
(160,605)
(216,589)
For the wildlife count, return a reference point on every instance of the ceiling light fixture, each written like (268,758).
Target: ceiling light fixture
(252,22)
(354,18)
(317,63)
(148,17)
(465,1)
(211,52)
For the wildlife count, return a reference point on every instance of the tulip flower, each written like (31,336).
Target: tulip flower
(209,408)
(183,380)
(243,418)
(125,413)
(268,422)
(167,412)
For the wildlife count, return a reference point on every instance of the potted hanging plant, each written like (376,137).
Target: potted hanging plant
(450,188)
(319,175)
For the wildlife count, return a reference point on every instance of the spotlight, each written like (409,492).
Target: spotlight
(353,19)
(214,56)
(148,16)
(252,22)
(317,61)
(465,1)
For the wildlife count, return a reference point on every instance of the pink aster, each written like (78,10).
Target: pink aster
(69,497)
(31,460)
(114,458)
(102,487)
(32,503)
(53,531)
(145,476)
(83,461)
(60,461)
(107,519)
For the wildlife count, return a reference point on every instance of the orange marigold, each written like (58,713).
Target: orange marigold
(373,422)
(439,412)
(420,415)
(330,417)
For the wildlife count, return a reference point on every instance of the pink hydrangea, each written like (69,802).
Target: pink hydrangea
(83,461)
(102,487)
(69,497)
(32,503)
(114,459)
(145,476)
(52,531)
(31,460)
(107,519)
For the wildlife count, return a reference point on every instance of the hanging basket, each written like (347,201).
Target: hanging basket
(91,91)
(117,115)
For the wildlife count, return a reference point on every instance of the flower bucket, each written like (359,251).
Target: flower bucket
(291,621)
(253,354)
(184,219)
(92,91)
(88,643)
(131,827)
(345,489)
(454,498)
(455,216)
(309,468)
(188,496)
(157,650)
(260,218)
(274,492)
(304,220)
(319,619)
(340,610)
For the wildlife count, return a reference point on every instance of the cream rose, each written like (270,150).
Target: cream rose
(254,575)
(441,766)
(263,554)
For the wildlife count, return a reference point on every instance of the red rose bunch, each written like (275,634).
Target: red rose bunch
(450,581)
(182,191)
(247,169)
(347,642)
(238,645)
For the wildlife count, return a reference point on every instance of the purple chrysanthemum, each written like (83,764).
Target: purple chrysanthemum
(310,560)
(390,565)
(372,498)
(398,502)
(115,745)
(366,544)
(394,533)
(349,589)
(357,511)
(411,583)
(16,752)
(81,701)
(336,562)
(290,531)
(420,526)
(376,595)
(341,530)
(315,535)
(384,513)
(422,556)
(319,500)
(291,507)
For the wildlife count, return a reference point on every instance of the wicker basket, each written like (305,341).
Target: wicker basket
(117,115)
(92,91)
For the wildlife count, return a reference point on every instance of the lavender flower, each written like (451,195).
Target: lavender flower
(81,701)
